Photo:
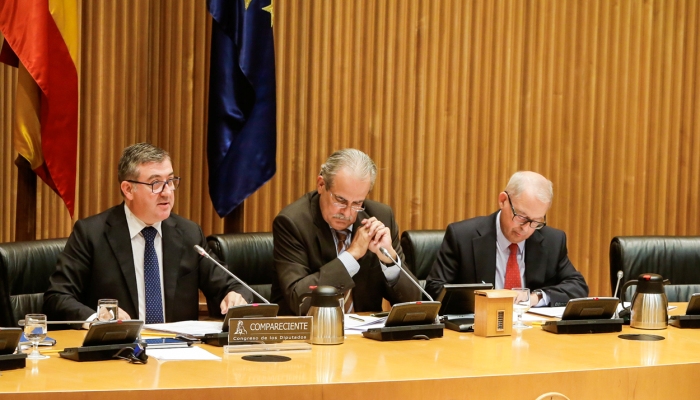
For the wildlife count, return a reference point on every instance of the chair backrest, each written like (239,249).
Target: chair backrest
(676,258)
(420,248)
(28,267)
(249,257)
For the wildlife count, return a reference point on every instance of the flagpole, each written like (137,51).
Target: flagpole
(25,223)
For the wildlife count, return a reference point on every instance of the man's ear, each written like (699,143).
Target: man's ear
(502,197)
(127,190)
(319,183)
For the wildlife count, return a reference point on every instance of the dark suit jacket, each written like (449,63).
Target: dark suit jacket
(468,255)
(305,255)
(98,263)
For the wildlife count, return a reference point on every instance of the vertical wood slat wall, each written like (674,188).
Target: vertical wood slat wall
(448,97)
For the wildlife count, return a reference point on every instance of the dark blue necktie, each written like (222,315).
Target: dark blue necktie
(151,276)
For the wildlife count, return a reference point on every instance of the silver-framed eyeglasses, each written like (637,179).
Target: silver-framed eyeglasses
(522,220)
(343,203)
(159,186)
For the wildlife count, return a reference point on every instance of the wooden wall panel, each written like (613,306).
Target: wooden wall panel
(449,97)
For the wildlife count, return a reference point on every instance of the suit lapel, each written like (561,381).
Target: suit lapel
(534,260)
(172,253)
(117,234)
(323,232)
(485,251)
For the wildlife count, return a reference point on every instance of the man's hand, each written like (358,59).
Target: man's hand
(381,237)
(123,315)
(360,242)
(231,299)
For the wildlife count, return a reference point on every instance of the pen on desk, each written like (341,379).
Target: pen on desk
(356,318)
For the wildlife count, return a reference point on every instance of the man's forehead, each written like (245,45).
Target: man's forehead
(152,170)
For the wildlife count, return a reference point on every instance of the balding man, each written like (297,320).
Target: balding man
(333,235)
(513,247)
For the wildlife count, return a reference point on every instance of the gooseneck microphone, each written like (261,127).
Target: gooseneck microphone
(203,253)
(620,274)
(388,255)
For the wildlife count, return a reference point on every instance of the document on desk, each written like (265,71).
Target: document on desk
(193,353)
(355,324)
(554,312)
(187,328)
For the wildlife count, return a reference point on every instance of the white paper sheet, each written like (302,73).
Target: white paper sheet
(355,324)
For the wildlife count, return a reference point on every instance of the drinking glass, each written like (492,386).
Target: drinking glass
(521,304)
(35,332)
(107,309)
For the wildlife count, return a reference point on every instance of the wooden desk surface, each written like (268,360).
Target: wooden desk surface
(459,365)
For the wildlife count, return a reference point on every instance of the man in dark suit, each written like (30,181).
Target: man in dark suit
(511,248)
(139,253)
(332,236)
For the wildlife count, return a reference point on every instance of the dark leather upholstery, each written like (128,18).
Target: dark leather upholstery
(676,258)
(28,266)
(420,248)
(249,257)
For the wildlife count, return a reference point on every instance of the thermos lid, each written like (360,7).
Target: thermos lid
(325,296)
(650,283)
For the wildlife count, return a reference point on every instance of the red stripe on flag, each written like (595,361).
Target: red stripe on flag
(34,37)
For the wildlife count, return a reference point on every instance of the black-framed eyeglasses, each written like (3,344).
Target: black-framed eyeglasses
(343,203)
(159,186)
(525,220)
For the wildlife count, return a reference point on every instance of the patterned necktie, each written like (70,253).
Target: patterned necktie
(512,270)
(151,276)
(340,246)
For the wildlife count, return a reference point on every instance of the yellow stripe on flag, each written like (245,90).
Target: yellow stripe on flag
(27,136)
(66,14)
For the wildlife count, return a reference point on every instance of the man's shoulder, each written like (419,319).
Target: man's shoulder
(471,224)
(300,209)
(182,222)
(101,218)
(375,208)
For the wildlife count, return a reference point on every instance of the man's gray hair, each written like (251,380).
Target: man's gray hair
(532,182)
(137,154)
(355,161)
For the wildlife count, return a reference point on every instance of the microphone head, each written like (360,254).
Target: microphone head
(620,274)
(200,250)
(385,252)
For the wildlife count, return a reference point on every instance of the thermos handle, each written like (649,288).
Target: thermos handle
(624,290)
(302,298)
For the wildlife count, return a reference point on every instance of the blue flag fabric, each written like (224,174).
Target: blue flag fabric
(242,142)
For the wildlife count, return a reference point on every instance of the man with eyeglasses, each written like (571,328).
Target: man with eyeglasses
(511,248)
(139,253)
(333,235)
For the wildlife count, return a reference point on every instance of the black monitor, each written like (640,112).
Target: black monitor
(458,299)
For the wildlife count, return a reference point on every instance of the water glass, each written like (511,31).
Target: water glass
(107,309)
(35,332)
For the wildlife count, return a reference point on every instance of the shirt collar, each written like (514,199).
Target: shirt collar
(136,225)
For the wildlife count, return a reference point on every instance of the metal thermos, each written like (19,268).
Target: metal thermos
(649,305)
(328,318)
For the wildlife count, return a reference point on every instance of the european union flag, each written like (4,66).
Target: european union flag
(241,143)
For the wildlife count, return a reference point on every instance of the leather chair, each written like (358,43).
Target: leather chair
(420,247)
(249,257)
(26,268)
(676,258)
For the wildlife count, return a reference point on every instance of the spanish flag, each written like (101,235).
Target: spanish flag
(42,40)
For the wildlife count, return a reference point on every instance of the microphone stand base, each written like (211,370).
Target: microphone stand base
(408,332)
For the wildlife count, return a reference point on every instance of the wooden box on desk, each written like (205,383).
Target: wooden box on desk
(493,312)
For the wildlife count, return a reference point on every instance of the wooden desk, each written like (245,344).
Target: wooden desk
(456,366)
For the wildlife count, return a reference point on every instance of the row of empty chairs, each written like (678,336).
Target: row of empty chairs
(25,267)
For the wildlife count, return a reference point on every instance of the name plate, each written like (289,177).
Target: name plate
(269,330)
